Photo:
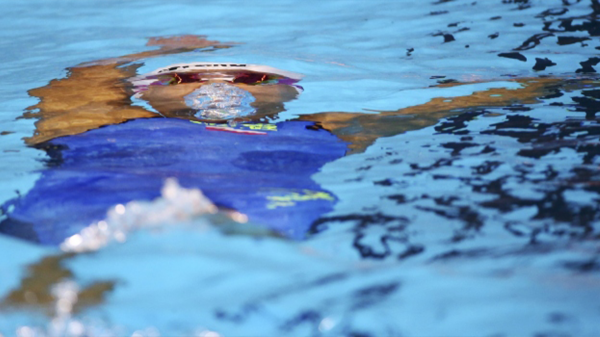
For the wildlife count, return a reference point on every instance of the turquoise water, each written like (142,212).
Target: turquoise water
(481,219)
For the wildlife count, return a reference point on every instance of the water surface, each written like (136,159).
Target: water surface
(455,191)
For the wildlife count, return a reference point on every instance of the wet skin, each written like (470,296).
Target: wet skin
(97,94)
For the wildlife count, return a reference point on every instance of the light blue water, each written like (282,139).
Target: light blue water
(463,279)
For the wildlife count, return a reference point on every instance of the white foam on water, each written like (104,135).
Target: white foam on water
(176,205)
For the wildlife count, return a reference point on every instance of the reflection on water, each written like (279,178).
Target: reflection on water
(529,169)
(95,94)
(361,130)
(445,207)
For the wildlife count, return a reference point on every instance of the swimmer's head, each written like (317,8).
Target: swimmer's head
(217,92)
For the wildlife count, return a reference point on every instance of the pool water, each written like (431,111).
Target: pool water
(412,169)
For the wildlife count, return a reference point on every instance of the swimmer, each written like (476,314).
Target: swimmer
(99,93)
(260,169)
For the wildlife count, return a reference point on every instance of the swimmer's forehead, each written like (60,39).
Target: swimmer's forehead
(210,67)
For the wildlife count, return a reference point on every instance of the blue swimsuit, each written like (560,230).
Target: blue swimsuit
(261,170)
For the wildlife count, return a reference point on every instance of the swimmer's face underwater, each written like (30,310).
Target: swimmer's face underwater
(218,95)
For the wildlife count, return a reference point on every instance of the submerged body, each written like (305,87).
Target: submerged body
(261,170)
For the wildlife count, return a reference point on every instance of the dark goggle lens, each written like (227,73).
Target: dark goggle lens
(251,78)
(240,78)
